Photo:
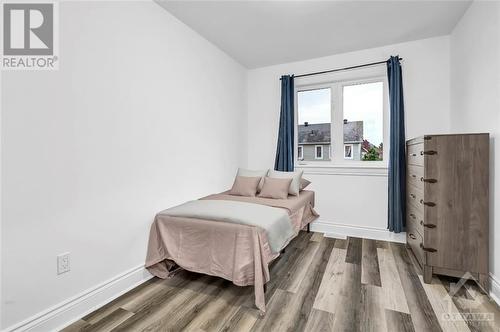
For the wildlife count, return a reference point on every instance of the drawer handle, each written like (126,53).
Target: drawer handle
(428,180)
(413,196)
(413,176)
(427,249)
(413,155)
(427,203)
(428,152)
(427,225)
(412,236)
(412,215)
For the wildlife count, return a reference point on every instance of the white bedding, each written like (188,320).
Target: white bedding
(275,221)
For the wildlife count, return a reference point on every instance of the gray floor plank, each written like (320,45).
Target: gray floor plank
(301,241)
(297,272)
(341,243)
(398,321)
(145,288)
(423,316)
(112,320)
(347,313)
(370,272)
(183,313)
(160,307)
(327,298)
(320,321)
(242,321)
(372,313)
(290,311)
(354,253)
(394,296)
(382,244)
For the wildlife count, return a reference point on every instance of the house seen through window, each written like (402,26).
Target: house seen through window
(341,122)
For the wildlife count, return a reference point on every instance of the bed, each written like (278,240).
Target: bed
(224,245)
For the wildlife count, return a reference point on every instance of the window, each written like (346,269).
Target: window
(344,121)
(314,123)
(363,106)
(348,151)
(319,152)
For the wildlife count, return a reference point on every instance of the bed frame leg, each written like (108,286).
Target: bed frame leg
(308,228)
(172,273)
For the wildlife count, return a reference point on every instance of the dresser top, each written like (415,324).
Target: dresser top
(420,139)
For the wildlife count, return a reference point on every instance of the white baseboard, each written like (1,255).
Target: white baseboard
(342,231)
(69,311)
(495,289)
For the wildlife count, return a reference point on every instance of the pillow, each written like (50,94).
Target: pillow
(295,176)
(245,186)
(275,188)
(304,183)
(253,174)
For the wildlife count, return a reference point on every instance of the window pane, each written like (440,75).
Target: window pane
(314,119)
(319,152)
(348,151)
(363,121)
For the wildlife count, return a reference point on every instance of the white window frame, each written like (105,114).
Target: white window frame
(336,82)
(300,148)
(352,151)
(316,152)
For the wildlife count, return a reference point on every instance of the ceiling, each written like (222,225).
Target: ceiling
(263,33)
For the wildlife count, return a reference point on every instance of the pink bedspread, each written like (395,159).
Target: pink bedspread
(235,252)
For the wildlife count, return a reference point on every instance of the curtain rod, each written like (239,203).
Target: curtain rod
(341,69)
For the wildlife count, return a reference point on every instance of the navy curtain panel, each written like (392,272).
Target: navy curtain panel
(397,157)
(285,149)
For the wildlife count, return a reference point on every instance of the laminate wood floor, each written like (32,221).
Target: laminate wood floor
(318,284)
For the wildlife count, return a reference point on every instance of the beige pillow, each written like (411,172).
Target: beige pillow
(253,173)
(275,188)
(304,183)
(295,176)
(245,186)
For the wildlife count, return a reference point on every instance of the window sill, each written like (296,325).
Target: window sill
(348,170)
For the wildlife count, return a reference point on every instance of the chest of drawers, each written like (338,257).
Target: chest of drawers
(447,217)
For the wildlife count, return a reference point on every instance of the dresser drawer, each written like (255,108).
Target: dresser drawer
(414,176)
(414,241)
(414,220)
(415,197)
(415,154)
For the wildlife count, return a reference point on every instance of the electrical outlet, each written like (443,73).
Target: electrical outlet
(63,263)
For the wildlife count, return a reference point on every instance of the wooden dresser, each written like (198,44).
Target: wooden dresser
(447,204)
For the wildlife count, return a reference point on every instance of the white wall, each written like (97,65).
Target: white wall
(355,204)
(91,152)
(475,99)
(142,114)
